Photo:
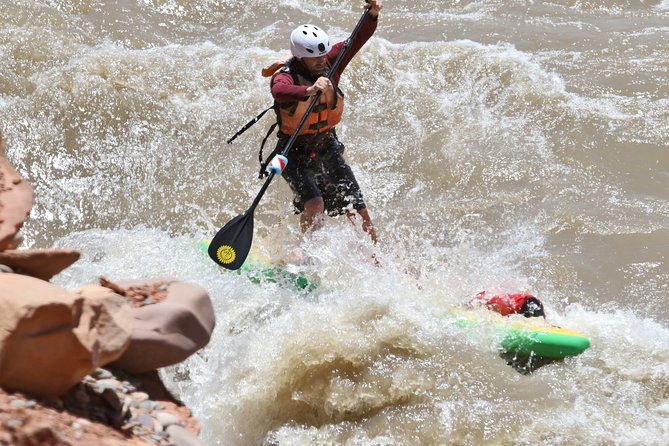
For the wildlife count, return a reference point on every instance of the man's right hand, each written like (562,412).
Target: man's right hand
(321,84)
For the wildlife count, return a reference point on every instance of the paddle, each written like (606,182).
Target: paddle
(232,243)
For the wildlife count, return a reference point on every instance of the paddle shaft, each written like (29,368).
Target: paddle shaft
(293,137)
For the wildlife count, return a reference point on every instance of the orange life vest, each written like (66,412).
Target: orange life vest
(324,116)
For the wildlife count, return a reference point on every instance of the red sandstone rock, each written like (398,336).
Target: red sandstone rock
(16,200)
(40,263)
(167,332)
(50,339)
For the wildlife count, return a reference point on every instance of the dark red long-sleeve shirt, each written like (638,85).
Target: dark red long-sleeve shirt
(283,88)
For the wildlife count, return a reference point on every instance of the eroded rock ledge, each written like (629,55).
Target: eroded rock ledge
(80,367)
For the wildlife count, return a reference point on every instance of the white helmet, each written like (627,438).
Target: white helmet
(309,41)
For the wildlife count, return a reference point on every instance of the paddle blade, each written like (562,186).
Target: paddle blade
(232,242)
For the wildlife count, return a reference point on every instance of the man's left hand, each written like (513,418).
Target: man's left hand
(374,7)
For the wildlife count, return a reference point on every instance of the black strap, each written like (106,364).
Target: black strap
(263,164)
(318,125)
(249,124)
(336,96)
(319,108)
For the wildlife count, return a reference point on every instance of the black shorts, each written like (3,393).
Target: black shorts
(316,168)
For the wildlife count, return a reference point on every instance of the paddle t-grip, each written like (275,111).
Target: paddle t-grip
(277,164)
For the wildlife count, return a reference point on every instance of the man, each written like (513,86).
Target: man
(515,303)
(317,173)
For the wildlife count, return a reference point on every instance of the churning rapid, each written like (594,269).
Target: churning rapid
(500,145)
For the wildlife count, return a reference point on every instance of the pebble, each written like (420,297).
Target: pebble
(83,422)
(105,384)
(157,426)
(182,437)
(88,379)
(166,419)
(148,405)
(112,399)
(22,404)
(18,404)
(102,374)
(14,424)
(157,438)
(145,420)
(139,397)
(127,408)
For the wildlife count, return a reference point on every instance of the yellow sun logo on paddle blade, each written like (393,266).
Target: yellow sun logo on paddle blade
(226,254)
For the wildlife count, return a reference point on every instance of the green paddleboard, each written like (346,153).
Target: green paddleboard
(525,336)
(522,337)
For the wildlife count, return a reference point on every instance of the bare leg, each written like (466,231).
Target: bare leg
(312,217)
(367,224)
